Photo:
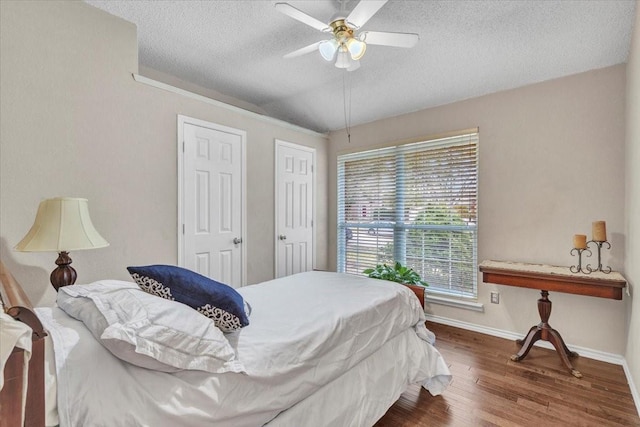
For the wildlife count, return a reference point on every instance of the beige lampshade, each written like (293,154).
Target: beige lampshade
(62,224)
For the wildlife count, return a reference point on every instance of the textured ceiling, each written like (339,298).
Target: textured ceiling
(466,49)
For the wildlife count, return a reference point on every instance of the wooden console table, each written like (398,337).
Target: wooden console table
(551,278)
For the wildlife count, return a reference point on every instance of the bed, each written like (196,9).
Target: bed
(321,349)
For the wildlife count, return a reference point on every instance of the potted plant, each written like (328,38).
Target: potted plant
(400,274)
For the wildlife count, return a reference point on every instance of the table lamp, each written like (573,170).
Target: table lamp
(62,224)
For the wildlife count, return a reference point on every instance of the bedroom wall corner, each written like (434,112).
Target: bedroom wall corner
(632,210)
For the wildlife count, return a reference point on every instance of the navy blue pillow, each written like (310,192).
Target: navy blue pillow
(220,302)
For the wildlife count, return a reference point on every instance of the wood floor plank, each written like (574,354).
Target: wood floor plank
(488,389)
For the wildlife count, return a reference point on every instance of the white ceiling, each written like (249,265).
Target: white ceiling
(466,49)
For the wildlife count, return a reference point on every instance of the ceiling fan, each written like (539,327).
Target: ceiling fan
(345,46)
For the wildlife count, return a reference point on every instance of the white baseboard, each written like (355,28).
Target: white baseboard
(632,386)
(602,356)
(589,353)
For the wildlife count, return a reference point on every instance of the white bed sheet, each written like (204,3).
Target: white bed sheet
(362,395)
(306,331)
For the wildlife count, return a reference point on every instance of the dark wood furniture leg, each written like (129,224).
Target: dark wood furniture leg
(544,331)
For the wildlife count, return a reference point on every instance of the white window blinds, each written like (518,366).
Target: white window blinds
(414,203)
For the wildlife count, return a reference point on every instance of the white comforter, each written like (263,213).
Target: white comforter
(306,330)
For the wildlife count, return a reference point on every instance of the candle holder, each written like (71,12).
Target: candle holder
(579,268)
(599,244)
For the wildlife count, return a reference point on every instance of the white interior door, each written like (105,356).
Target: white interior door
(294,208)
(212,200)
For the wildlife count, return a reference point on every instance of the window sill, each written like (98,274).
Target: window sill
(457,303)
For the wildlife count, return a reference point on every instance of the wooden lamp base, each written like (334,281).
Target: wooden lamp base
(64,274)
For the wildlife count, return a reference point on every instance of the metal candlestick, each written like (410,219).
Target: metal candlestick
(579,268)
(599,245)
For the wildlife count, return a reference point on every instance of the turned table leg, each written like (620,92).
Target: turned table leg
(544,331)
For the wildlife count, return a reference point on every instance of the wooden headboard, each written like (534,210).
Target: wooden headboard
(17,305)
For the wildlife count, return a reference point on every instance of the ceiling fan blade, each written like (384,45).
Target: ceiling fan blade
(299,15)
(364,11)
(389,39)
(304,50)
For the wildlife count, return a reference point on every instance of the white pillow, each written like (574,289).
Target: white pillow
(148,331)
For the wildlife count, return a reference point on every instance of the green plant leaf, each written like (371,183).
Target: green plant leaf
(398,273)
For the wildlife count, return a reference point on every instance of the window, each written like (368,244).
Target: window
(414,203)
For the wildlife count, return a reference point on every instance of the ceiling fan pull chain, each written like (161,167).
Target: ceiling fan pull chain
(347,117)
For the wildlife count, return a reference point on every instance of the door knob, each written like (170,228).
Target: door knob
(282,237)
(237,240)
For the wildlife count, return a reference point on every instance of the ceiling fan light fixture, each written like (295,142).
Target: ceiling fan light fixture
(343,59)
(346,47)
(328,49)
(356,48)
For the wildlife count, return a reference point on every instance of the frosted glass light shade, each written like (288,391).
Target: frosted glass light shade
(62,224)
(328,49)
(343,59)
(356,48)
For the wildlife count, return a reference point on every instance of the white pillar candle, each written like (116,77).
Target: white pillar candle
(599,231)
(580,241)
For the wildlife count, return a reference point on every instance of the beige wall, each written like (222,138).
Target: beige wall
(632,209)
(551,162)
(75,123)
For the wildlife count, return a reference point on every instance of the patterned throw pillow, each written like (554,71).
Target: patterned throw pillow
(220,302)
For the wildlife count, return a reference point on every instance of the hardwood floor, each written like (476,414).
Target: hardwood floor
(489,389)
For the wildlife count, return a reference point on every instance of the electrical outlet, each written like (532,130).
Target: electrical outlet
(495,297)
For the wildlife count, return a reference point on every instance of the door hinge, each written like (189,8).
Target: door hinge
(182,228)
(183,146)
